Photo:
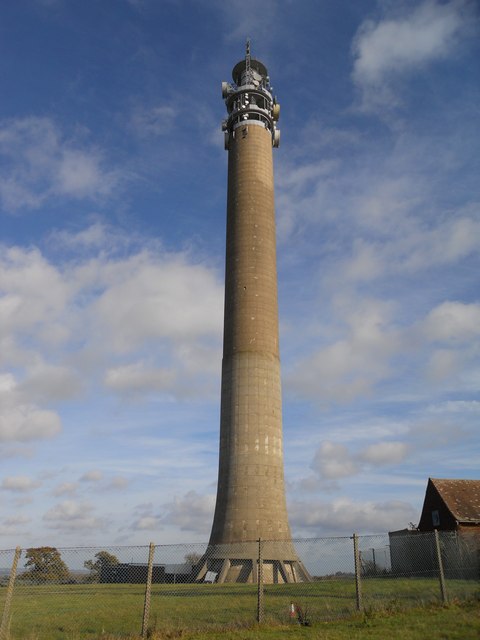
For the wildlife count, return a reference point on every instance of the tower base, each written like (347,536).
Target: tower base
(239,562)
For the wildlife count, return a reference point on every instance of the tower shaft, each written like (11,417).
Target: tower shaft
(251,496)
(251,501)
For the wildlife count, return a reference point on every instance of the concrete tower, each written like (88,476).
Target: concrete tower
(251,495)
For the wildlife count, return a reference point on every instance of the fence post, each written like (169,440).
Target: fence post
(260,594)
(441,575)
(358,584)
(5,624)
(148,590)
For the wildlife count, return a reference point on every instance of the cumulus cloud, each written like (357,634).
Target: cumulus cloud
(20,420)
(26,422)
(153,121)
(16,520)
(147,523)
(442,244)
(13,525)
(350,366)
(50,383)
(95,475)
(66,488)
(64,326)
(333,461)
(40,163)
(192,512)
(117,484)
(95,236)
(145,519)
(33,291)
(72,516)
(141,297)
(20,484)
(442,364)
(147,297)
(345,516)
(453,322)
(138,377)
(384,453)
(15,452)
(398,44)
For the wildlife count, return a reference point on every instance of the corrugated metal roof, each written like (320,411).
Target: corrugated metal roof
(462,498)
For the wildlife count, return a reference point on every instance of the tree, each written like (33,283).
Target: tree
(45,564)
(102,562)
(192,558)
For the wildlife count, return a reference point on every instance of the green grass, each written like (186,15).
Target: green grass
(453,622)
(91,611)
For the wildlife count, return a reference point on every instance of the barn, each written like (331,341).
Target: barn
(452,508)
(451,505)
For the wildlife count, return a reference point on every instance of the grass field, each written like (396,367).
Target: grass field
(92,611)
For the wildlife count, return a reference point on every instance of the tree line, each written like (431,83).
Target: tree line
(45,564)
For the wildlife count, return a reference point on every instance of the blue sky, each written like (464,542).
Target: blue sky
(112,214)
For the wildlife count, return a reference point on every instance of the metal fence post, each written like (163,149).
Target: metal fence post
(148,590)
(260,594)
(441,575)
(5,624)
(358,584)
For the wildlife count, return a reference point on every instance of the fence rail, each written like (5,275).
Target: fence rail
(58,593)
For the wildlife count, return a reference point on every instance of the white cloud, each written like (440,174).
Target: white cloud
(95,475)
(351,366)
(155,121)
(96,235)
(442,364)
(384,453)
(453,322)
(137,377)
(147,297)
(19,484)
(366,262)
(13,525)
(345,516)
(63,326)
(147,523)
(445,243)
(117,484)
(66,488)
(40,163)
(72,516)
(456,406)
(16,520)
(192,512)
(405,43)
(22,421)
(15,452)
(45,382)
(79,175)
(333,461)
(33,291)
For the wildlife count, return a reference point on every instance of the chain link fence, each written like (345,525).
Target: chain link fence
(51,593)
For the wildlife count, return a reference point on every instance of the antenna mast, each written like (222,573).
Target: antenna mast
(248,76)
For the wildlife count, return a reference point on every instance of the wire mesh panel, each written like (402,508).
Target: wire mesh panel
(82,593)
(326,592)
(63,593)
(187,593)
(398,571)
(461,563)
